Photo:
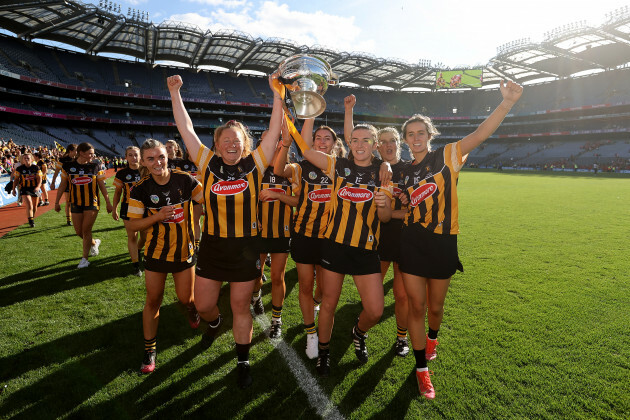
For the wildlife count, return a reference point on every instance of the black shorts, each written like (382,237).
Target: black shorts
(389,241)
(345,259)
(124,207)
(80,209)
(44,181)
(159,266)
(427,254)
(306,250)
(228,259)
(274,245)
(30,191)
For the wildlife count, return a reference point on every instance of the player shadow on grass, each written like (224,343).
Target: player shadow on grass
(82,363)
(24,230)
(60,277)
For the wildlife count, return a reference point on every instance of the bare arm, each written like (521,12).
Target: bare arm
(117,194)
(270,141)
(511,93)
(267,195)
(317,158)
(182,119)
(348,118)
(383,206)
(399,214)
(280,166)
(54,178)
(103,188)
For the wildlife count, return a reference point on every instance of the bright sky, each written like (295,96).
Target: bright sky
(451,32)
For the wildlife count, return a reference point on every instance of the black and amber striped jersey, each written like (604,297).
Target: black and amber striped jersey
(125,179)
(172,239)
(27,175)
(432,189)
(313,208)
(61,161)
(274,216)
(43,166)
(83,182)
(230,193)
(354,220)
(398,177)
(184,165)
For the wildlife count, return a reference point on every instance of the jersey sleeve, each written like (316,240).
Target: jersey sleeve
(331,166)
(453,156)
(118,183)
(294,178)
(196,190)
(136,205)
(202,160)
(259,159)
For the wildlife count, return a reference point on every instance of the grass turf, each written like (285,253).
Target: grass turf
(536,326)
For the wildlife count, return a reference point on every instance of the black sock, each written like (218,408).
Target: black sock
(421,361)
(242,352)
(136,265)
(323,346)
(433,334)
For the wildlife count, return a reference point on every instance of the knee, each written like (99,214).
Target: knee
(436,309)
(373,313)
(400,296)
(416,308)
(153,303)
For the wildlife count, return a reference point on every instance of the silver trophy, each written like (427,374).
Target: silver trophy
(307,78)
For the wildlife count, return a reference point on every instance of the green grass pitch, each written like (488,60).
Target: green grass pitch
(536,327)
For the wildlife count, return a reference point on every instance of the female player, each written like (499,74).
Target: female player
(428,253)
(124,181)
(389,242)
(274,219)
(43,167)
(84,177)
(161,204)
(359,202)
(310,222)
(69,156)
(29,177)
(228,250)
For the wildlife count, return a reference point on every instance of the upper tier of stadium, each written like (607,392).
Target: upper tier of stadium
(569,50)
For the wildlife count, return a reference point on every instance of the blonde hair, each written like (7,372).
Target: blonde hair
(248,140)
(396,135)
(431,130)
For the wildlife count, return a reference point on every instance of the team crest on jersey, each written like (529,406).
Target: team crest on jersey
(186,166)
(356,195)
(230,187)
(347,171)
(422,193)
(128,177)
(155,199)
(312,175)
(406,179)
(73,169)
(258,264)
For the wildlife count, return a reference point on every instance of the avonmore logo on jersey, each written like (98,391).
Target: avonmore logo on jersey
(356,195)
(421,193)
(81,180)
(320,196)
(178,216)
(229,187)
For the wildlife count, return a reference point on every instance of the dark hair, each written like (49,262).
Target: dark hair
(83,147)
(339,150)
(431,130)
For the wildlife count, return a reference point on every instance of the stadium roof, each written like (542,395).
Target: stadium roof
(567,50)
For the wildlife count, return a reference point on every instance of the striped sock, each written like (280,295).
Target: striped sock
(255,296)
(401,332)
(150,344)
(276,313)
(310,328)
(316,302)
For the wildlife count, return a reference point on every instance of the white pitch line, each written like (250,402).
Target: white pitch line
(316,397)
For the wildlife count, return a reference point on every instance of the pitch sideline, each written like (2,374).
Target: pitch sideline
(316,396)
